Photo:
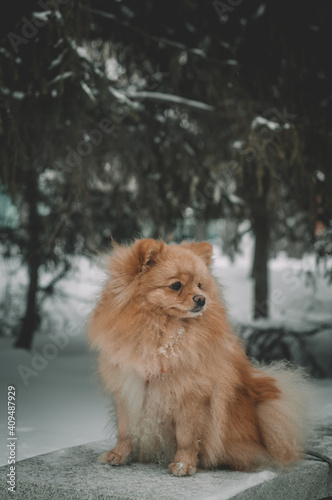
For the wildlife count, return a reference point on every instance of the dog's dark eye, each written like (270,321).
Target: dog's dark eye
(199,285)
(176,286)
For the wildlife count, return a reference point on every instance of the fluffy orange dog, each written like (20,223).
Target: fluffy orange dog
(184,389)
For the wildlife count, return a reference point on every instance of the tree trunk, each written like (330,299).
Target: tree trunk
(30,319)
(260,221)
(255,262)
(201,230)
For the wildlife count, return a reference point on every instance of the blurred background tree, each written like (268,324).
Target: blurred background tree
(54,115)
(261,66)
(154,118)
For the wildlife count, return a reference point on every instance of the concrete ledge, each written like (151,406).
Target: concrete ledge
(74,474)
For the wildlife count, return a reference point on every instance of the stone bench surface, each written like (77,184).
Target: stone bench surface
(74,474)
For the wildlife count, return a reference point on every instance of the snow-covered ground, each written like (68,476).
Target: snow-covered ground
(59,402)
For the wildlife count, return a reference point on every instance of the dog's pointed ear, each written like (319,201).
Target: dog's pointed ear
(148,251)
(204,250)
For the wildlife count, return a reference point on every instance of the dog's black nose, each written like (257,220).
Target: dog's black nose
(199,300)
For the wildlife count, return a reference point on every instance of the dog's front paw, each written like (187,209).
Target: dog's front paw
(112,457)
(180,469)
(119,455)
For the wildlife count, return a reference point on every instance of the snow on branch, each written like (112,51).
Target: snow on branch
(122,97)
(62,76)
(171,99)
(88,91)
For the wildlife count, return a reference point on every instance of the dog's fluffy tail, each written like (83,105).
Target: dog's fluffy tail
(284,421)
